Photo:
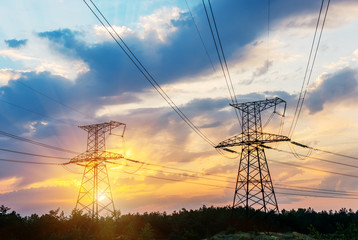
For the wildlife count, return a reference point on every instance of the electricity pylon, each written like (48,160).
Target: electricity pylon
(95,194)
(254,187)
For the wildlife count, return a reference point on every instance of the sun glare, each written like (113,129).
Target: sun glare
(101,198)
(117,167)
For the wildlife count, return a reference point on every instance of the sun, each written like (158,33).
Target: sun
(101,197)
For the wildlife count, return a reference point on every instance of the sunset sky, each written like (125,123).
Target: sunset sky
(59,69)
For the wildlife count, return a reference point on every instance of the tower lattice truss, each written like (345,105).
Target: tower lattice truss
(95,196)
(254,188)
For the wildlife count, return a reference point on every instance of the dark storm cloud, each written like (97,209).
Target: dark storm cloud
(14,43)
(336,87)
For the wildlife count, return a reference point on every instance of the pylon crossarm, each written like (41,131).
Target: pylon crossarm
(244,139)
(105,127)
(91,156)
(259,105)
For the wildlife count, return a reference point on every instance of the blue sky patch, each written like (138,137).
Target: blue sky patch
(14,43)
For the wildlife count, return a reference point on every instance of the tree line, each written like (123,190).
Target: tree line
(180,225)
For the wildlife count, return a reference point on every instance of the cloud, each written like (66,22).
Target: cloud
(160,24)
(165,49)
(333,88)
(63,39)
(8,184)
(13,43)
(8,74)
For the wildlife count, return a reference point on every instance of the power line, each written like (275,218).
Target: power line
(306,71)
(316,158)
(268,34)
(32,154)
(36,143)
(316,191)
(291,188)
(226,73)
(146,74)
(179,174)
(179,180)
(53,99)
(331,194)
(315,169)
(28,110)
(284,186)
(222,51)
(301,100)
(200,37)
(325,151)
(316,196)
(31,162)
(222,176)
(211,62)
(320,190)
(175,168)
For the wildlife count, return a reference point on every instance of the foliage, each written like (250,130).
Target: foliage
(205,223)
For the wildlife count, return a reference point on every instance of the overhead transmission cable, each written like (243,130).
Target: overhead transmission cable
(315,169)
(316,196)
(327,193)
(200,37)
(54,100)
(180,174)
(31,162)
(36,143)
(325,151)
(317,189)
(180,180)
(313,191)
(186,172)
(296,154)
(175,168)
(222,59)
(144,71)
(310,66)
(211,62)
(319,159)
(284,187)
(307,67)
(28,110)
(33,154)
(268,35)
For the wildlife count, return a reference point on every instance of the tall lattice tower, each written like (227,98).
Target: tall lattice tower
(95,194)
(254,187)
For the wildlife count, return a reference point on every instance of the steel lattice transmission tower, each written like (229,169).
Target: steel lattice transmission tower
(254,187)
(95,194)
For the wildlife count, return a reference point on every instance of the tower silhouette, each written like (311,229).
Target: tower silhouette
(95,194)
(254,188)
